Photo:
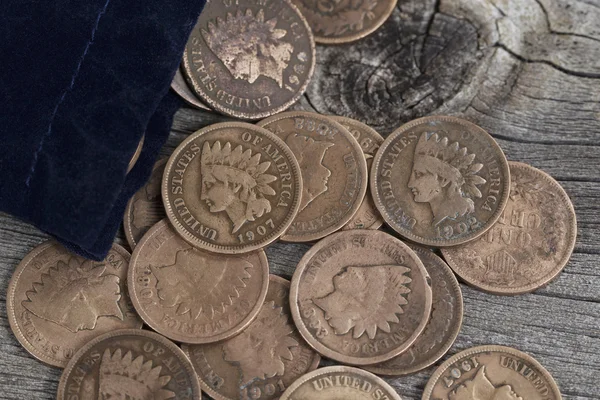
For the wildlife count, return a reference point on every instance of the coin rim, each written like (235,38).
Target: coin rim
(193,101)
(216,395)
(339,368)
(159,227)
(229,249)
(362,166)
(350,121)
(361,34)
(488,349)
(431,242)
(11,292)
(129,209)
(136,155)
(560,266)
(175,350)
(196,88)
(330,353)
(457,325)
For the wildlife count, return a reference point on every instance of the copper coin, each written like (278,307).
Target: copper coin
(360,297)
(129,364)
(529,245)
(145,208)
(367,216)
(263,360)
(136,155)
(343,21)
(250,59)
(194,296)
(334,172)
(491,373)
(340,383)
(180,86)
(232,188)
(443,326)
(58,301)
(440,181)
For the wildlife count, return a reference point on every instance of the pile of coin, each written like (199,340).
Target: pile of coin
(377,302)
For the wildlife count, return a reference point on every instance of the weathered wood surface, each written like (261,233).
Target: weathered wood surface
(529,72)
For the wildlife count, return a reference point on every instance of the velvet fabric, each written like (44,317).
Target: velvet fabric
(80,83)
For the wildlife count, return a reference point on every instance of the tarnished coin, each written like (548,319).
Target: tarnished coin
(232,188)
(250,59)
(360,297)
(263,360)
(136,155)
(340,383)
(440,181)
(129,364)
(145,208)
(529,245)
(193,296)
(343,21)
(491,373)
(367,216)
(57,301)
(180,86)
(334,172)
(443,326)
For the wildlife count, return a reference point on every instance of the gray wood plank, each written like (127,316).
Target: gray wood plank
(527,71)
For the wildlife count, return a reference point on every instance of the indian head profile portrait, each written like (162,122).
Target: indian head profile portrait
(315,175)
(235,181)
(260,350)
(366,298)
(480,388)
(444,176)
(121,377)
(249,46)
(195,286)
(75,295)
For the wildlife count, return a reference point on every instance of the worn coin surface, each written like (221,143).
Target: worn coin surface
(57,301)
(491,373)
(360,297)
(129,364)
(145,208)
(250,59)
(367,216)
(180,86)
(232,188)
(332,383)
(343,21)
(440,181)
(263,360)
(529,245)
(194,296)
(334,172)
(443,326)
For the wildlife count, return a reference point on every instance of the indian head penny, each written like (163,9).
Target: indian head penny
(250,59)
(193,296)
(491,373)
(334,172)
(263,360)
(360,297)
(443,326)
(440,181)
(136,154)
(180,86)
(232,188)
(367,216)
(340,383)
(129,364)
(58,301)
(529,245)
(344,21)
(145,208)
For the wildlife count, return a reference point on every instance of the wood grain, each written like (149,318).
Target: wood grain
(527,71)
